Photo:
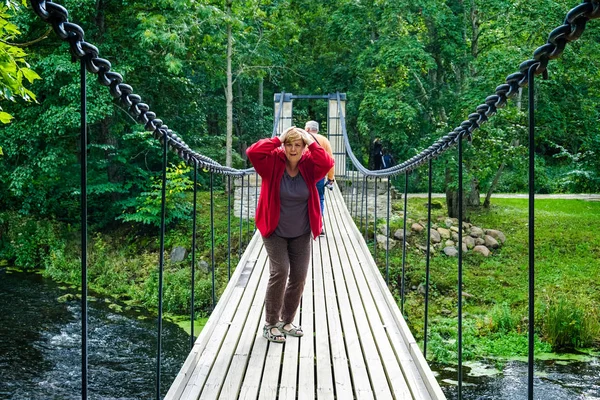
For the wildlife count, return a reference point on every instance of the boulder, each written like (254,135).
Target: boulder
(399,234)
(484,251)
(476,232)
(435,236)
(417,227)
(450,222)
(444,233)
(382,242)
(469,241)
(490,242)
(203,266)
(498,235)
(178,254)
(450,251)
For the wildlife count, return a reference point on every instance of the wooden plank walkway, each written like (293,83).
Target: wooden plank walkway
(361,347)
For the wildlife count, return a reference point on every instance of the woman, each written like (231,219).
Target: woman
(377,153)
(288,212)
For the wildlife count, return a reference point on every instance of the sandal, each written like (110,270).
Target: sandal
(273,337)
(295,331)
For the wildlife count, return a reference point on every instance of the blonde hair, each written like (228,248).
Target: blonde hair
(293,134)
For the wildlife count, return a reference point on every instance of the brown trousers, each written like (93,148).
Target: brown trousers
(287,258)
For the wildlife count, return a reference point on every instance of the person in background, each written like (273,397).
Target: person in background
(312,127)
(377,154)
(387,159)
(286,215)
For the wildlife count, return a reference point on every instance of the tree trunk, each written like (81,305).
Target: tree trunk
(475,23)
(229,93)
(261,102)
(488,195)
(473,199)
(239,125)
(452,197)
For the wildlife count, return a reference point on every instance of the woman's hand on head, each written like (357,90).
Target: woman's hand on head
(306,137)
(285,133)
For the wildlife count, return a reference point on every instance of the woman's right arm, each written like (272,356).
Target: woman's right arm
(261,153)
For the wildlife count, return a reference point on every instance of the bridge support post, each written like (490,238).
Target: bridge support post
(334,130)
(285,118)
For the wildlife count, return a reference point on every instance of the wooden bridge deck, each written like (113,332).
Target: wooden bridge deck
(361,347)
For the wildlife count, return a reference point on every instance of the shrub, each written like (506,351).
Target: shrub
(567,323)
(502,319)
(27,242)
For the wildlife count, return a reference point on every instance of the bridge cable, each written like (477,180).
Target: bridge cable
(193,271)
(387,230)
(428,256)
(161,263)
(84,233)
(402,287)
(228,227)
(531,341)
(460,267)
(212,239)
(375,221)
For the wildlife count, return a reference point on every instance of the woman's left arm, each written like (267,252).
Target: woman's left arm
(322,161)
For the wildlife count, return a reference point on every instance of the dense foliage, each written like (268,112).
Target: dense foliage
(412,72)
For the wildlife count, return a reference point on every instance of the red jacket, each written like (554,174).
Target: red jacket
(268,158)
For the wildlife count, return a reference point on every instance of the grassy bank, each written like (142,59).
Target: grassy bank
(495,298)
(123,262)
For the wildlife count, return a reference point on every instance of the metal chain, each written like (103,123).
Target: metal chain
(569,31)
(57,16)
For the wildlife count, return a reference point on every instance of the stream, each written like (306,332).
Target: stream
(40,353)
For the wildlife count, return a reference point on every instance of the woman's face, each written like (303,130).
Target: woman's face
(294,150)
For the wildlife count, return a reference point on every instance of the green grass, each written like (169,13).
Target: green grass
(567,265)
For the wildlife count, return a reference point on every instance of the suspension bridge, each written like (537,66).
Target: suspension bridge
(358,344)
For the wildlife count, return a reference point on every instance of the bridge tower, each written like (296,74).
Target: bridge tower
(334,130)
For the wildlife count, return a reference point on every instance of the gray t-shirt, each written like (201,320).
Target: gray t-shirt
(293,214)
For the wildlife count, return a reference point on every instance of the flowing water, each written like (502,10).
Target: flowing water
(40,345)
(40,354)
(553,380)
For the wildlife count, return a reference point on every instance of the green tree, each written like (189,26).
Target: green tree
(14,69)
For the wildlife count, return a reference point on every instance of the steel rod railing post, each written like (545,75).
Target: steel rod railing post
(255,197)
(387,235)
(354,179)
(161,265)
(366,210)
(362,201)
(241,218)
(248,213)
(356,200)
(212,238)
(193,272)
(402,288)
(375,223)
(460,265)
(228,227)
(84,233)
(353,187)
(427,260)
(531,342)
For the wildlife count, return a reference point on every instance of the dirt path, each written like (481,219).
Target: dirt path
(588,197)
